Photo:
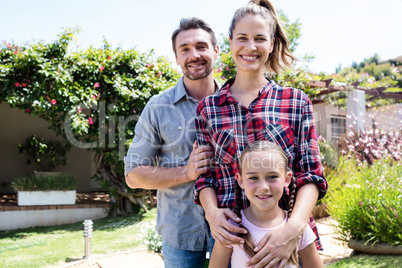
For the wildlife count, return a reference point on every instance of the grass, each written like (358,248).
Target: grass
(47,246)
(56,245)
(369,261)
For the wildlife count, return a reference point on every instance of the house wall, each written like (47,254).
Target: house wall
(16,125)
(323,112)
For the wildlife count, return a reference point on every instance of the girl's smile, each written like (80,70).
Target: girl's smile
(263,178)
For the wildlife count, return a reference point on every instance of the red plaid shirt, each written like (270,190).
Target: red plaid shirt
(279,114)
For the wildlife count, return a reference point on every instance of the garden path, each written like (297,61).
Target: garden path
(334,250)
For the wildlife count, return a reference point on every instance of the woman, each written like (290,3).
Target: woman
(251,107)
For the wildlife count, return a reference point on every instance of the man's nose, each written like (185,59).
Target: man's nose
(194,54)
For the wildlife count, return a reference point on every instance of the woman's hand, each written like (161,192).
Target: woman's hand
(277,246)
(221,229)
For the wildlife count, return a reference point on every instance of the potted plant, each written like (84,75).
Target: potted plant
(45,190)
(45,187)
(46,154)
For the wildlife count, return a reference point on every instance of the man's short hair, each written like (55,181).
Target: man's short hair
(193,23)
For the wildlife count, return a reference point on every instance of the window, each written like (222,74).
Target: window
(338,127)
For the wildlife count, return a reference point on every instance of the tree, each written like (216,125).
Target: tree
(91,98)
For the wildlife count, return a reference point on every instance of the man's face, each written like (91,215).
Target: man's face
(195,53)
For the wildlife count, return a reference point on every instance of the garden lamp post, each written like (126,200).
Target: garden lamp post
(88,228)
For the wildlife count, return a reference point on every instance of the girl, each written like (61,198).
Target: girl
(252,107)
(263,174)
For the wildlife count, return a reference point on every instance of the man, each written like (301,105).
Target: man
(163,154)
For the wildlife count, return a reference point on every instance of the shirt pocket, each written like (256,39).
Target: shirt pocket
(282,136)
(225,146)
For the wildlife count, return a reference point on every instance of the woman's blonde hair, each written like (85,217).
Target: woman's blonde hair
(280,57)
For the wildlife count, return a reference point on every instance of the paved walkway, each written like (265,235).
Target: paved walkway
(334,250)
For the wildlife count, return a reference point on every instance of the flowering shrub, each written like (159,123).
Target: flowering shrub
(91,98)
(372,145)
(151,237)
(368,206)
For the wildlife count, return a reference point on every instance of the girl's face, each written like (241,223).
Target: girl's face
(251,43)
(263,178)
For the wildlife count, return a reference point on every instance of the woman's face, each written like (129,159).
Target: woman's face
(251,43)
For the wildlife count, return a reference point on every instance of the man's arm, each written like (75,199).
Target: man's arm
(153,177)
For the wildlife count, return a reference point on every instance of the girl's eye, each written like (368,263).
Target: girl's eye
(272,177)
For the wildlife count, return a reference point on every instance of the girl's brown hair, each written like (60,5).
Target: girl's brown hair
(280,57)
(269,147)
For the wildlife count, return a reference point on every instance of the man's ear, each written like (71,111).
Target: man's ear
(216,52)
(239,180)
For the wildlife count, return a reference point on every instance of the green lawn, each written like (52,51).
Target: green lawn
(44,246)
(369,261)
(49,246)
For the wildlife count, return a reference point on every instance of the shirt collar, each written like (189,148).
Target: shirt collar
(225,95)
(181,92)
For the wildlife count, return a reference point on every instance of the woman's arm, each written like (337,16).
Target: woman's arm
(309,257)
(220,256)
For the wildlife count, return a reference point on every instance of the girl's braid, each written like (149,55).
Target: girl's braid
(249,244)
(294,259)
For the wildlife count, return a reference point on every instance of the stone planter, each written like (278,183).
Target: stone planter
(40,198)
(377,249)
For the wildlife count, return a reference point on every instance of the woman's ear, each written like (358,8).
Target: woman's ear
(239,180)
(272,45)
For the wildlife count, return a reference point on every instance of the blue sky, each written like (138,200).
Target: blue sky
(336,32)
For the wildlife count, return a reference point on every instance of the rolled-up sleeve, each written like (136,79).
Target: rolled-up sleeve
(146,142)
(207,179)
(308,166)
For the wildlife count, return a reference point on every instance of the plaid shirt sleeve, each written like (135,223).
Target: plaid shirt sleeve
(308,162)
(207,179)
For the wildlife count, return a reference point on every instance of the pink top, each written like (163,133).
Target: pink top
(239,257)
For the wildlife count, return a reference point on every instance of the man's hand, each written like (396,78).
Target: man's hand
(200,161)
(221,229)
(276,247)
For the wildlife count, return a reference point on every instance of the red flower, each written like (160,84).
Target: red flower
(24,84)
(93,97)
(101,68)
(79,110)
(28,110)
(17,84)
(109,58)
(90,122)
(53,101)
(16,52)
(96,85)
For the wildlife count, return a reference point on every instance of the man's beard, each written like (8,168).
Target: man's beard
(190,76)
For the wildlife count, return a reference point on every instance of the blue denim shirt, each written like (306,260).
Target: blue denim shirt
(164,136)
